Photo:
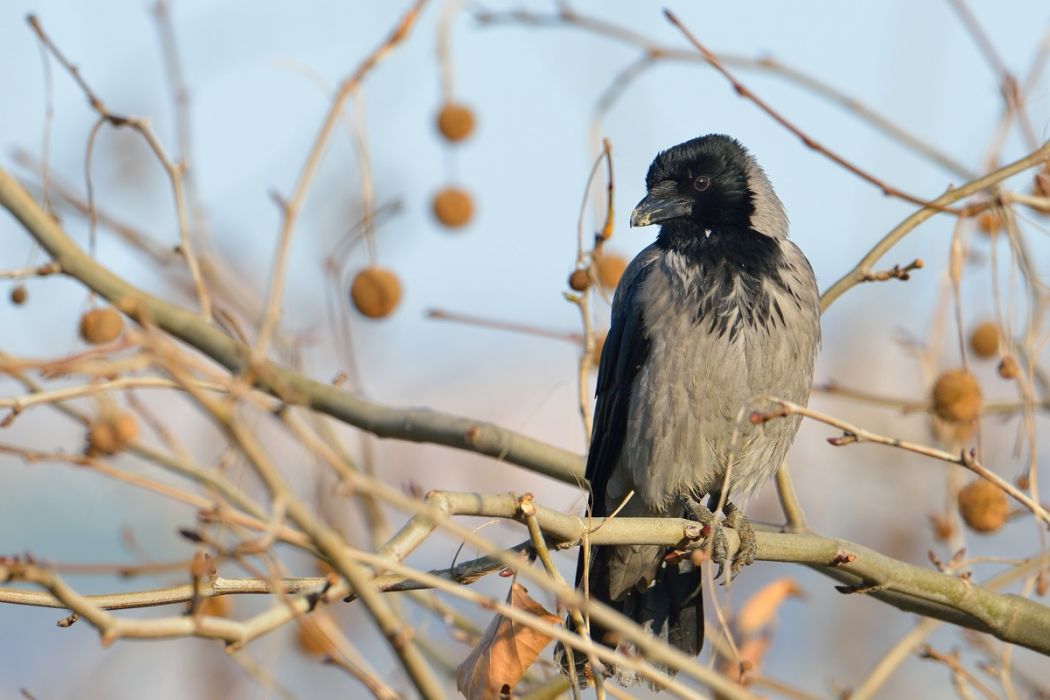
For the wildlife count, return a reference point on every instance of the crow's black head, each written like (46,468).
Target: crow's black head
(713,183)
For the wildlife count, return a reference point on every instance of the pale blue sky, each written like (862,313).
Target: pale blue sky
(255,111)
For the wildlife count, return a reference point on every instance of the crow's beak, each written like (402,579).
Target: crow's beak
(656,208)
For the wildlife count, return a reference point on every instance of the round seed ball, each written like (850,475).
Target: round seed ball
(957,396)
(125,427)
(983,506)
(984,340)
(19,295)
(110,434)
(1008,368)
(989,222)
(579,280)
(375,292)
(455,121)
(610,269)
(453,207)
(99,326)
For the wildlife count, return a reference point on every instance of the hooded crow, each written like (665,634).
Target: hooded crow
(720,310)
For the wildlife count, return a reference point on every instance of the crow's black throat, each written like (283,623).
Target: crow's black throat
(734,263)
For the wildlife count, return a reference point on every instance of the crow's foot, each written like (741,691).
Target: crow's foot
(745,554)
(716,539)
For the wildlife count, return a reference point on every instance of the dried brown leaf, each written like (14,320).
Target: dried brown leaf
(760,608)
(505,651)
(752,651)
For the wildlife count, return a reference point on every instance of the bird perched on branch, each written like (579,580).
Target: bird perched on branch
(722,309)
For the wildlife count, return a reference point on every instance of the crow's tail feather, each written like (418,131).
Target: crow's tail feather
(671,608)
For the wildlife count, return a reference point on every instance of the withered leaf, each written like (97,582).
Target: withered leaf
(505,651)
(761,607)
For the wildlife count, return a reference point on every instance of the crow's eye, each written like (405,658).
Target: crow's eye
(701,183)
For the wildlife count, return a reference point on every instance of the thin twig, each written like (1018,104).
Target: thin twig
(294,203)
(863,267)
(806,139)
(853,434)
(173,170)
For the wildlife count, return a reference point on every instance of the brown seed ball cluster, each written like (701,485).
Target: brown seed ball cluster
(1008,368)
(455,122)
(375,292)
(19,295)
(453,207)
(579,280)
(984,340)
(990,223)
(983,506)
(610,269)
(957,396)
(110,434)
(101,326)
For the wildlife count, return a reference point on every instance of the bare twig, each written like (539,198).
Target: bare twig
(654,52)
(806,139)
(852,434)
(896,272)
(408,424)
(49,268)
(960,672)
(172,169)
(864,266)
(294,203)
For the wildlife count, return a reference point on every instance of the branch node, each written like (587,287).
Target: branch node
(846,438)
(68,621)
(843,557)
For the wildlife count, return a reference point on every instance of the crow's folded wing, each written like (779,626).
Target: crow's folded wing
(625,351)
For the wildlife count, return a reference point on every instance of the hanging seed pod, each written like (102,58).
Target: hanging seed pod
(455,122)
(957,396)
(111,433)
(1008,368)
(453,207)
(579,280)
(983,506)
(375,292)
(99,326)
(990,223)
(984,340)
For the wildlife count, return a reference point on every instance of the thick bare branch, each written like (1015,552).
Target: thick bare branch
(416,425)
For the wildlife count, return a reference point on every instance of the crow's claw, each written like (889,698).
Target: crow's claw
(745,554)
(716,538)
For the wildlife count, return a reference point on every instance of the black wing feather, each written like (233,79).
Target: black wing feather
(625,351)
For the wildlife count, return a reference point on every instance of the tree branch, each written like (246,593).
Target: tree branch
(412,424)
(862,269)
(1011,618)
